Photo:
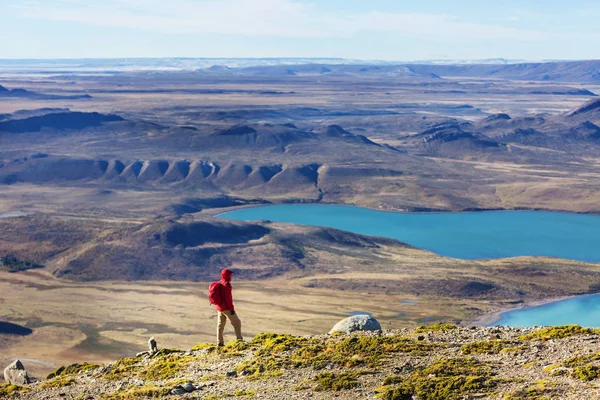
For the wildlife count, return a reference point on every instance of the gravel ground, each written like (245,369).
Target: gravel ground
(509,364)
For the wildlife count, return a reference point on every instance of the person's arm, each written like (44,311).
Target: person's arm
(228,298)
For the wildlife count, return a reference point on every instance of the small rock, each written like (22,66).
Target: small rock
(189,387)
(152,346)
(231,374)
(406,368)
(177,390)
(356,323)
(15,374)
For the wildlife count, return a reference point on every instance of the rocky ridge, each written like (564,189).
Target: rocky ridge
(437,362)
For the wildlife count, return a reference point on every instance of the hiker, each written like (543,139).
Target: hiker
(219,294)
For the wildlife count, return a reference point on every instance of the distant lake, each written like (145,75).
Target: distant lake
(465,235)
(12,214)
(581,310)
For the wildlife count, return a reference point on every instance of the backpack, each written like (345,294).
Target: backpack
(215,295)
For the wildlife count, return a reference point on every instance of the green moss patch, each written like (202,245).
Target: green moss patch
(166,367)
(578,361)
(262,367)
(277,352)
(270,343)
(58,382)
(244,393)
(586,373)
(447,378)
(354,351)
(436,328)
(124,368)
(558,332)
(402,392)
(73,369)
(336,382)
(8,390)
(204,346)
(542,390)
(139,392)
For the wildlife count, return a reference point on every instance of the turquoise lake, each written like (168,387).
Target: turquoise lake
(470,235)
(581,310)
(465,235)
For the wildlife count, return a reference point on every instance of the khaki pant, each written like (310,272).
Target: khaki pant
(223,316)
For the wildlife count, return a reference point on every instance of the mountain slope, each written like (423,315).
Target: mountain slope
(70,120)
(197,249)
(27,94)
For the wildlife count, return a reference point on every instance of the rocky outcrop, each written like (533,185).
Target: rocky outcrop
(356,323)
(16,374)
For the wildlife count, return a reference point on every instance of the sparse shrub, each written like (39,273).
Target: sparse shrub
(577,361)
(529,364)
(233,348)
(542,390)
(436,328)
(271,343)
(447,378)
(402,392)
(73,369)
(203,346)
(139,392)
(166,367)
(58,382)
(362,350)
(513,349)
(586,373)
(11,263)
(392,380)
(123,368)
(336,382)
(8,390)
(558,332)
(247,393)
(261,367)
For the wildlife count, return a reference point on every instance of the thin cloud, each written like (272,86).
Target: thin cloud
(267,18)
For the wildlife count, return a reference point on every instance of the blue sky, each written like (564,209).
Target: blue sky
(396,30)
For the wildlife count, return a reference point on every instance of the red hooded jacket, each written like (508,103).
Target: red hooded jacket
(226,296)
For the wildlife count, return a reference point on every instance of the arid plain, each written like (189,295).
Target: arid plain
(119,176)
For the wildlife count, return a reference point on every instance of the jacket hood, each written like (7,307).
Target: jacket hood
(226,275)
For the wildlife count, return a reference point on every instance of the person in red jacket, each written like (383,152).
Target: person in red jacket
(226,310)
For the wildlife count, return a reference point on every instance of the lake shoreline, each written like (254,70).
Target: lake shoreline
(489,319)
(217,212)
